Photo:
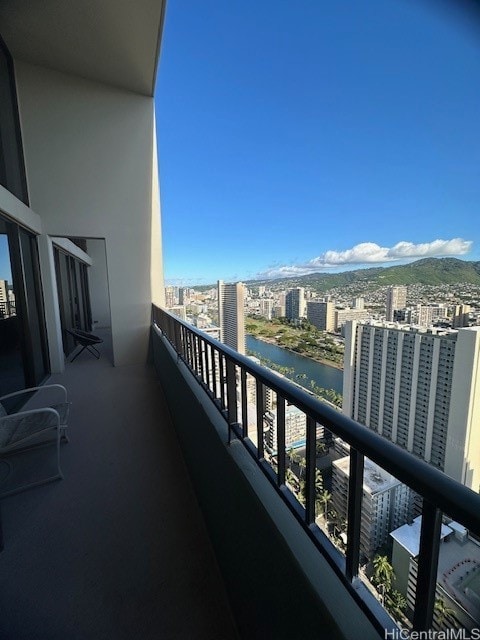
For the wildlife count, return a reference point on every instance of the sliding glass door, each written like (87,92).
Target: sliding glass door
(73,297)
(23,343)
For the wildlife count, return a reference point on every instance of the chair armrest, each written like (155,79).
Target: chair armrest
(35,390)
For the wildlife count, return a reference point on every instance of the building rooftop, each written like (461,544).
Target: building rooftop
(458,561)
(408,535)
(375,479)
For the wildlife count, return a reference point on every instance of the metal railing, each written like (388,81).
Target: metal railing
(222,372)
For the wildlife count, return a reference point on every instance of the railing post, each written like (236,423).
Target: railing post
(354,513)
(310,470)
(259,403)
(214,354)
(243,382)
(221,362)
(281,439)
(427,567)
(200,358)
(231,395)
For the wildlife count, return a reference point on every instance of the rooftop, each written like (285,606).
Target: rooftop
(375,479)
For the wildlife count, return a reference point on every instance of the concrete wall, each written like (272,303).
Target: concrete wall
(91,170)
(98,284)
(278,584)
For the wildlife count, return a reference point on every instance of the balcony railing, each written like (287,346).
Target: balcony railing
(222,373)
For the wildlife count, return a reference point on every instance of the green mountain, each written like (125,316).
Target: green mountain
(432,271)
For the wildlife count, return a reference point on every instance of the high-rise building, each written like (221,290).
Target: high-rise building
(295,304)
(461,316)
(358,303)
(266,308)
(4,299)
(321,315)
(386,502)
(231,314)
(424,315)
(170,300)
(419,389)
(396,299)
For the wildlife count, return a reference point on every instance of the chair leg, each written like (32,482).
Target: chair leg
(81,351)
(93,351)
(38,483)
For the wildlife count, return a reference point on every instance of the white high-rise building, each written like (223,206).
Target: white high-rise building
(231,314)
(396,299)
(4,299)
(266,308)
(386,502)
(424,315)
(295,307)
(419,389)
(461,316)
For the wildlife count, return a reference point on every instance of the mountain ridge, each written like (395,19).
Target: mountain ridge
(428,271)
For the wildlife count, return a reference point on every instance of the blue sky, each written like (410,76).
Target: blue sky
(291,133)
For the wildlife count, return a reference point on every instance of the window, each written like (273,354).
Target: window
(12,169)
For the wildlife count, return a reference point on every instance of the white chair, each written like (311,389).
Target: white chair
(21,431)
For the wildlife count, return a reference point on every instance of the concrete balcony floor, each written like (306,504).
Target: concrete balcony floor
(118,548)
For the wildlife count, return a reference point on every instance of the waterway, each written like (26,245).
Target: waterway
(322,374)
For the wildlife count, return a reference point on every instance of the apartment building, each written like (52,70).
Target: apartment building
(458,573)
(231,314)
(295,306)
(386,502)
(396,299)
(321,315)
(342,316)
(419,389)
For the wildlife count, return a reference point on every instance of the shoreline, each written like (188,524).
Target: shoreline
(327,363)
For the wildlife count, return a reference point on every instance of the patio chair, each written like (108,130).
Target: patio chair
(86,341)
(20,432)
(60,403)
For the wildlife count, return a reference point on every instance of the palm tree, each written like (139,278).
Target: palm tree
(382,573)
(443,613)
(324,499)
(303,465)
(290,477)
(396,602)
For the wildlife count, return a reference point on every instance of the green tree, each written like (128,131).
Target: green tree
(303,465)
(442,612)
(396,602)
(383,574)
(324,499)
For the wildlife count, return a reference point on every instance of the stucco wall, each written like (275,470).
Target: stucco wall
(91,169)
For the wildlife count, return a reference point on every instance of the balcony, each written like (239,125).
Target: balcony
(218,392)
(170,523)
(118,548)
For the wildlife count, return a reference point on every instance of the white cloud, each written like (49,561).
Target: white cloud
(367,253)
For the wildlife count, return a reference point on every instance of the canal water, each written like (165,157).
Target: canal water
(322,374)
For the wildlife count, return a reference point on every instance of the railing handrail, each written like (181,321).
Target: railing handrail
(451,497)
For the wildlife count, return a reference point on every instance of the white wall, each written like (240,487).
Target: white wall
(91,168)
(462,457)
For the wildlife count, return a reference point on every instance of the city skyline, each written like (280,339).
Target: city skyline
(317,137)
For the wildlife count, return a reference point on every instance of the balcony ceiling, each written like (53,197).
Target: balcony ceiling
(111,41)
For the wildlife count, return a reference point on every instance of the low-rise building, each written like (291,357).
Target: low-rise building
(458,573)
